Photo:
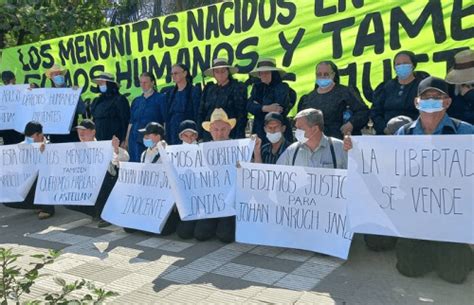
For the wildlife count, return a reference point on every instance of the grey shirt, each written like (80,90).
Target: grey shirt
(320,157)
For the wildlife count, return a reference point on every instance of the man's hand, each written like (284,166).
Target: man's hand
(275,107)
(115,144)
(347,128)
(347,143)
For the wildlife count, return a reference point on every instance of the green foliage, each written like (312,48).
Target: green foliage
(26,21)
(14,282)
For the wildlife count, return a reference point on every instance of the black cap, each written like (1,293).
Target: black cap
(153,128)
(433,82)
(7,77)
(86,124)
(33,127)
(187,125)
(274,116)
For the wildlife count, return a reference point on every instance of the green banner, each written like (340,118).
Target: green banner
(361,37)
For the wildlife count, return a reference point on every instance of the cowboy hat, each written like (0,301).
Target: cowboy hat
(104,76)
(55,68)
(220,63)
(218,115)
(264,65)
(463,70)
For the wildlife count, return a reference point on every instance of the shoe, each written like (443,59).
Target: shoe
(43,215)
(102,224)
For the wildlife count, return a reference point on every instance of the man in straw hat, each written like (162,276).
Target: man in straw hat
(219,126)
(228,94)
(57,75)
(462,76)
(110,110)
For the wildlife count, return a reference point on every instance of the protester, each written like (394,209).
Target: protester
(343,109)
(228,94)
(270,94)
(451,261)
(8,78)
(57,75)
(154,133)
(219,126)
(462,77)
(188,133)
(313,148)
(377,242)
(274,130)
(10,136)
(86,132)
(110,110)
(34,134)
(182,102)
(148,107)
(395,96)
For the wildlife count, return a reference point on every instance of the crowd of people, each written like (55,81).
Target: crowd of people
(412,103)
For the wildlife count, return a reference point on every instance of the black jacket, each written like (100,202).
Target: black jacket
(263,95)
(232,98)
(333,104)
(392,99)
(111,113)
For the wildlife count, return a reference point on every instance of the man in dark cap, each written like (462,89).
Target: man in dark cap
(153,133)
(86,133)
(275,129)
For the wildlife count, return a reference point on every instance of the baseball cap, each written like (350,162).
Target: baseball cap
(433,82)
(86,124)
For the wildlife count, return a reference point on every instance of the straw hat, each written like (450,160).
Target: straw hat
(220,63)
(463,70)
(266,64)
(55,68)
(218,115)
(104,76)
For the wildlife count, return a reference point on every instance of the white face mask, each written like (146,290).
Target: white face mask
(274,137)
(300,137)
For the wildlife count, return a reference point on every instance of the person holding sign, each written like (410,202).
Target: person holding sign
(148,107)
(462,76)
(219,127)
(10,136)
(271,94)
(313,148)
(188,132)
(86,132)
(228,94)
(57,75)
(34,134)
(111,111)
(153,133)
(451,261)
(343,108)
(395,96)
(274,129)
(182,102)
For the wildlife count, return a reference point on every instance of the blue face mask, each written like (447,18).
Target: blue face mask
(103,88)
(58,80)
(148,143)
(324,82)
(430,105)
(404,70)
(29,140)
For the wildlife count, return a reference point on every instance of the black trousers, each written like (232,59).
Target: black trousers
(223,228)
(380,243)
(28,203)
(451,261)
